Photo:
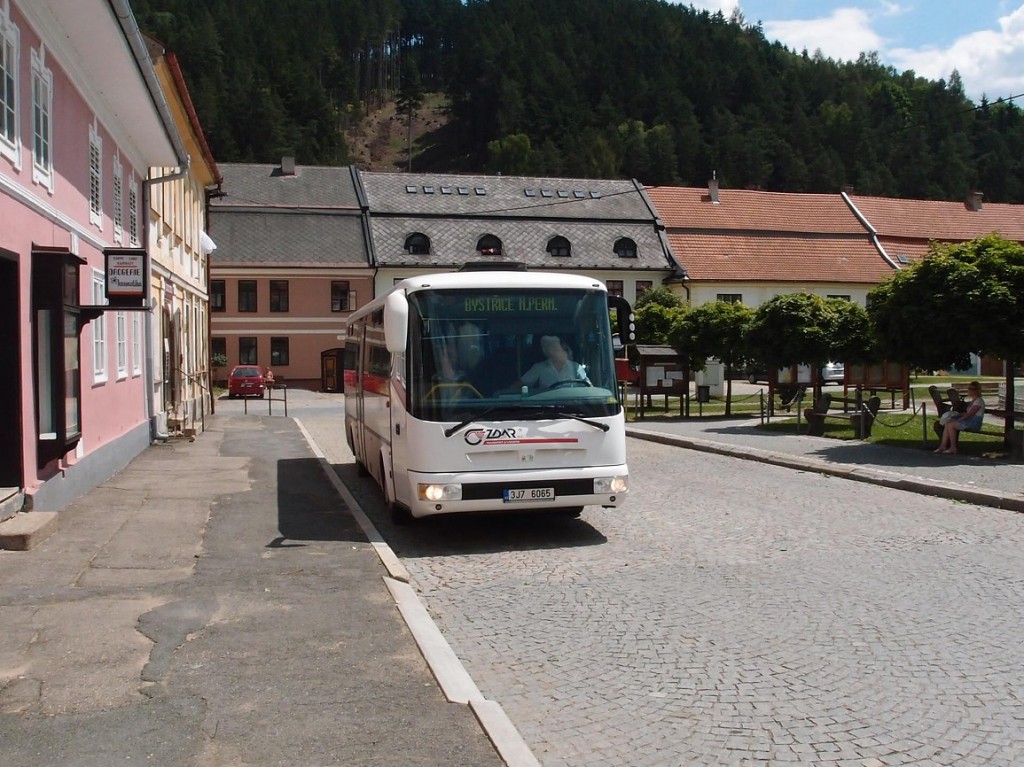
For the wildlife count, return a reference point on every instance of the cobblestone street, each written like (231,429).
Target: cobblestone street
(733,613)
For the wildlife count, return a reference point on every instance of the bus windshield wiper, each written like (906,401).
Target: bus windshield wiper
(477,416)
(552,411)
(526,413)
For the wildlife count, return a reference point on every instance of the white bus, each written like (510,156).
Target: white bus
(488,390)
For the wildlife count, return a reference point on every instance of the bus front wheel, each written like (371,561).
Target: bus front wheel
(570,512)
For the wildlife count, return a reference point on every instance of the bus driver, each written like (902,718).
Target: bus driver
(557,366)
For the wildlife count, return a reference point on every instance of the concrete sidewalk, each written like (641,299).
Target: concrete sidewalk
(216,603)
(997,483)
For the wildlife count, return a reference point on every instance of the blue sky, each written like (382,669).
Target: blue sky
(982,39)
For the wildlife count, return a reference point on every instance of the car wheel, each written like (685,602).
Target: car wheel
(232,396)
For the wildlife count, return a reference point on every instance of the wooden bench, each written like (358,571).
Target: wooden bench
(858,413)
(954,400)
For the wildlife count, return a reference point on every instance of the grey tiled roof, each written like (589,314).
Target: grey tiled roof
(278,237)
(454,240)
(312,186)
(503,196)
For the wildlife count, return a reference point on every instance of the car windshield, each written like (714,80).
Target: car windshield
(246,373)
(511,353)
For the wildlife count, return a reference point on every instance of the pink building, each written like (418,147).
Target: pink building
(82,118)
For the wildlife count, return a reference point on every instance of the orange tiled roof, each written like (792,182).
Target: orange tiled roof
(940,220)
(748,210)
(904,249)
(770,257)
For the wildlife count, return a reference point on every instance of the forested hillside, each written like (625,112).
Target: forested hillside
(593,88)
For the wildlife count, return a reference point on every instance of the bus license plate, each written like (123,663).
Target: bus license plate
(530,494)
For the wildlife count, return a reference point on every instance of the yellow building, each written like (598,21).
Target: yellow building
(179,249)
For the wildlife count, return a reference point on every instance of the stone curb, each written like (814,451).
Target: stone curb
(935,488)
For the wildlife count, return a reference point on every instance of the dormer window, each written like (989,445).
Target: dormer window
(489,245)
(625,248)
(559,246)
(417,244)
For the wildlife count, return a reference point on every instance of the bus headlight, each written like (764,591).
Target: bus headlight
(439,492)
(606,485)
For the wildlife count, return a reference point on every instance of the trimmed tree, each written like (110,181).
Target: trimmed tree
(806,329)
(960,299)
(714,329)
(656,311)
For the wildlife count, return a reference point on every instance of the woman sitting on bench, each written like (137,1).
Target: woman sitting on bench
(968,421)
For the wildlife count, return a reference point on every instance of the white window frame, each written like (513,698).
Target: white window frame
(121,344)
(10,102)
(118,183)
(42,135)
(95,177)
(136,344)
(99,329)
(133,212)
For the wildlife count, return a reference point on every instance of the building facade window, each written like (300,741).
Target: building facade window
(247,350)
(489,245)
(133,212)
(118,182)
(95,177)
(615,288)
(10,144)
(560,247)
(417,244)
(218,348)
(279,295)
(841,297)
(56,353)
(642,286)
(136,343)
(730,298)
(42,125)
(121,344)
(342,299)
(247,296)
(625,248)
(99,329)
(218,296)
(278,351)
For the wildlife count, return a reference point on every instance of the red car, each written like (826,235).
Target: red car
(246,381)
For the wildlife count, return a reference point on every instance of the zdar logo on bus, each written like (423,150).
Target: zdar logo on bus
(489,436)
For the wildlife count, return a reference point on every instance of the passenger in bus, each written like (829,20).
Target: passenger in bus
(460,353)
(556,367)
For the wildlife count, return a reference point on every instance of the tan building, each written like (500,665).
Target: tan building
(179,250)
(291,264)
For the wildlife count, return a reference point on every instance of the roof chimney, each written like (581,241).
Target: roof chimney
(713,188)
(848,189)
(974,200)
(287,166)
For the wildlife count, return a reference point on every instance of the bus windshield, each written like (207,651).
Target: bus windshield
(509,351)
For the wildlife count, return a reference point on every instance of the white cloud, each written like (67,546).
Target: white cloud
(989,61)
(843,35)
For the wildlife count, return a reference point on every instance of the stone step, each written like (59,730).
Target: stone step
(27,529)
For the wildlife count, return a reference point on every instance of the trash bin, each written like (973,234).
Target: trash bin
(703,393)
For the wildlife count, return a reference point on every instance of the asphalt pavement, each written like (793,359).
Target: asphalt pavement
(225,601)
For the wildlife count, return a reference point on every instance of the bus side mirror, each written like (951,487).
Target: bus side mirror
(625,320)
(396,322)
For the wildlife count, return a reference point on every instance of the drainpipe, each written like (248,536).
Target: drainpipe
(133,35)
